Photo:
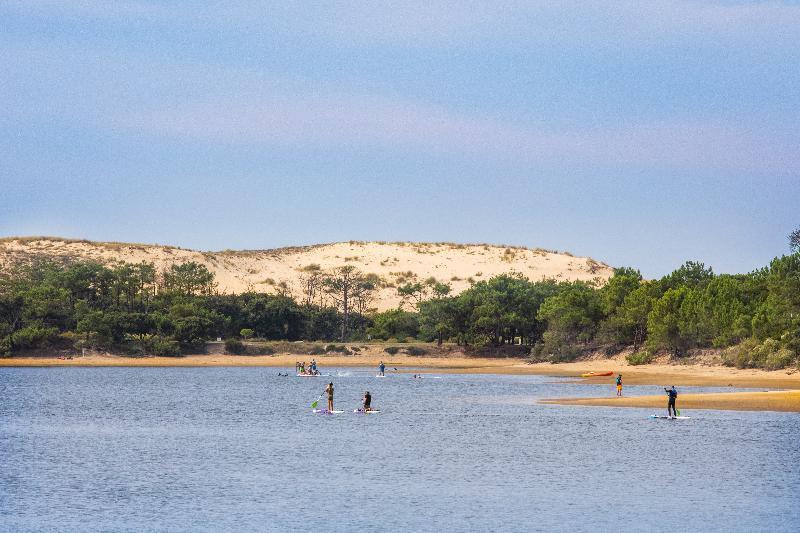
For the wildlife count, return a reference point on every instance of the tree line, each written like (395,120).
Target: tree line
(134,308)
(754,317)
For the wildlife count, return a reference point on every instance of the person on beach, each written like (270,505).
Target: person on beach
(619,385)
(381,369)
(367,401)
(673,394)
(329,391)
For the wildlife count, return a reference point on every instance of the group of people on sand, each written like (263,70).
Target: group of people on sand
(672,395)
(302,370)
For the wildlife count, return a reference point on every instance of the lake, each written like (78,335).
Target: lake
(238,449)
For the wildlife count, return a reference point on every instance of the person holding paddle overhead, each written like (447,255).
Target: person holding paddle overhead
(329,391)
(673,394)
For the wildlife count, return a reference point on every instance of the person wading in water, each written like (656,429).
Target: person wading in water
(619,385)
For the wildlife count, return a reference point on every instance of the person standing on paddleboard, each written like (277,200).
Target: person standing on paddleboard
(673,394)
(619,385)
(329,391)
(367,401)
(381,369)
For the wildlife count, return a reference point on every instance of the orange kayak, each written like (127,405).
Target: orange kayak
(596,374)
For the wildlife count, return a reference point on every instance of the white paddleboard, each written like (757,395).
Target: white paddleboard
(326,412)
(371,411)
(379,376)
(670,417)
(309,375)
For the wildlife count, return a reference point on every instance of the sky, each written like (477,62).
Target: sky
(642,134)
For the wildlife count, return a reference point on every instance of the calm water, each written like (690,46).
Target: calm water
(237,449)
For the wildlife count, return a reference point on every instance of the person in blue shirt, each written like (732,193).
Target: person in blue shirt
(381,369)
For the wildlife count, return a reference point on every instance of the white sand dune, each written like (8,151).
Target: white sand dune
(262,270)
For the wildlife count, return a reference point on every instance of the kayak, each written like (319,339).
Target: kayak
(366,412)
(596,374)
(326,412)
(670,417)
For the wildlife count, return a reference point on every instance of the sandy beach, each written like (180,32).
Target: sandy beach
(730,401)
(786,397)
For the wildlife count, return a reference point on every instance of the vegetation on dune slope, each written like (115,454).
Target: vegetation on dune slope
(136,309)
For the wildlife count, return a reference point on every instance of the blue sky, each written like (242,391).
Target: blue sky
(640,133)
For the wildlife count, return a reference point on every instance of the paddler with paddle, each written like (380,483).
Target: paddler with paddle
(367,401)
(329,392)
(673,394)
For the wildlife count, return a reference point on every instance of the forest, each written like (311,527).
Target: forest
(754,318)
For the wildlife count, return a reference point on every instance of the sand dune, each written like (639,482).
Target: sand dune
(264,270)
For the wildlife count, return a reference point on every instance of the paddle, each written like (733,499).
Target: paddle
(314,405)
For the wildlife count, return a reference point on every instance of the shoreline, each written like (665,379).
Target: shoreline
(785,385)
(784,401)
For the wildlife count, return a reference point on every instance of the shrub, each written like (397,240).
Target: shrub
(555,348)
(337,348)
(5,347)
(391,350)
(34,337)
(265,350)
(639,358)
(316,349)
(161,345)
(234,346)
(778,360)
(752,354)
(416,350)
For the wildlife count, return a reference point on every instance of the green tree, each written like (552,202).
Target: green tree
(663,322)
(189,279)
(394,323)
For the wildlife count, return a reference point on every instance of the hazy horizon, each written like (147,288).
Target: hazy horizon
(640,135)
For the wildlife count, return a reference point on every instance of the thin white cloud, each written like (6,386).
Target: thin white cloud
(337,121)
(455,23)
(213,104)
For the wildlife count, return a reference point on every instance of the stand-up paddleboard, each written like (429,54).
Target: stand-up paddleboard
(326,412)
(309,375)
(362,411)
(379,376)
(670,417)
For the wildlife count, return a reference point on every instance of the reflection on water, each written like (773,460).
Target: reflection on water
(237,449)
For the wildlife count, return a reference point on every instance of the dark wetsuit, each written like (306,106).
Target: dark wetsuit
(673,394)
(367,401)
